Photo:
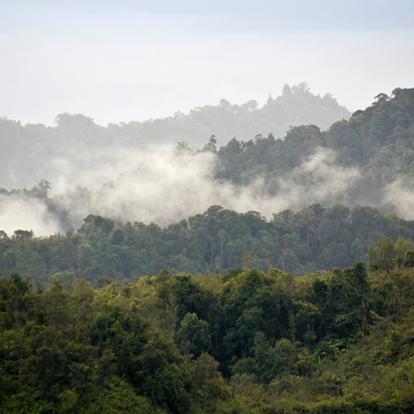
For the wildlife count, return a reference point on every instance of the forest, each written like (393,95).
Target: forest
(311,239)
(367,160)
(207,207)
(243,341)
(304,311)
(378,141)
(36,150)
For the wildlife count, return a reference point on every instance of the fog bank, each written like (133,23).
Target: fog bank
(164,186)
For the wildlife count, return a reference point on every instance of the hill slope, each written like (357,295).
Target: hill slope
(35,152)
(314,238)
(247,342)
(377,143)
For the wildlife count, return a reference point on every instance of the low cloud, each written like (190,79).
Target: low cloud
(23,212)
(400,196)
(166,185)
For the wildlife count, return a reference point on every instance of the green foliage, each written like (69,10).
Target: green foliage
(119,397)
(378,141)
(314,238)
(193,335)
(239,341)
(344,302)
(245,342)
(385,254)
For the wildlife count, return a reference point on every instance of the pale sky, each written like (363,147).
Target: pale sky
(132,60)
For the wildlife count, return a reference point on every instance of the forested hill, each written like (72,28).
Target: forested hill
(377,143)
(366,160)
(314,238)
(241,343)
(34,152)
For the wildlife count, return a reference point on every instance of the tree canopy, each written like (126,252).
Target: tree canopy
(314,238)
(243,342)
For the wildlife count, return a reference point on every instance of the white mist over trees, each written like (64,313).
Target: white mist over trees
(133,171)
(35,152)
(93,170)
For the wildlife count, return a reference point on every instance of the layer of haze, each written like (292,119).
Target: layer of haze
(164,186)
(125,60)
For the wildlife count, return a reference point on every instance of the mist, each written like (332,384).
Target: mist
(400,195)
(165,185)
(115,172)
(158,75)
(24,212)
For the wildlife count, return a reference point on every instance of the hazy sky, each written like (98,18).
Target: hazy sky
(132,60)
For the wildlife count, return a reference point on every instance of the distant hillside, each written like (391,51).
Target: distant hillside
(314,238)
(367,160)
(34,152)
(377,144)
